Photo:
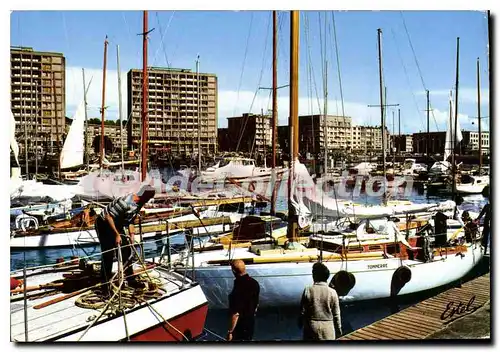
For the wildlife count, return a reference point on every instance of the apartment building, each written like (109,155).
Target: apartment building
(473,145)
(177,114)
(312,133)
(249,133)
(368,139)
(37,96)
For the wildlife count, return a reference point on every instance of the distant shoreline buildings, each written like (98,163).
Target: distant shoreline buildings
(182,105)
(38,97)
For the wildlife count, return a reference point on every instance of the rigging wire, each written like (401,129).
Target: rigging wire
(282,57)
(153,63)
(416,61)
(408,80)
(243,126)
(244,61)
(306,25)
(310,101)
(341,94)
(338,63)
(69,49)
(162,35)
(138,55)
(334,94)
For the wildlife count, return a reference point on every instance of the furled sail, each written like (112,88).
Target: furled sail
(73,149)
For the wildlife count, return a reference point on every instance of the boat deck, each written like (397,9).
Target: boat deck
(429,316)
(65,318)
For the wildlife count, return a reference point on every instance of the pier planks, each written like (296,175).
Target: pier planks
(428,316)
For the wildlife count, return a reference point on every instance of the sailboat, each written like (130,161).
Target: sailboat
(170,308)
(362,269)
(73,150)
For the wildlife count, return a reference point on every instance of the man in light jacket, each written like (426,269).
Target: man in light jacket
(320,308)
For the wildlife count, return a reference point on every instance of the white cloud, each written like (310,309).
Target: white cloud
(465,95)
(442,118)
(74,92)
(229,102)
(247,101)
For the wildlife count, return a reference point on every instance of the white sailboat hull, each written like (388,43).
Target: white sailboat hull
(282,284)
(470,189)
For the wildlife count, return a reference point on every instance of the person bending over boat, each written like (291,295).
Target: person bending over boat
(243,304)
(110,226)
(320,308)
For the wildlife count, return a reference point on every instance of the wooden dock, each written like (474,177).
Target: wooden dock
(429,316)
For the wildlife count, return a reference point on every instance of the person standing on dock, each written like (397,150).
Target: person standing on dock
(486,212)
(243,304)
(320,308)
(110,226)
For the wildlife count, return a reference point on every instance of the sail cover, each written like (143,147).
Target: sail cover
(73,149)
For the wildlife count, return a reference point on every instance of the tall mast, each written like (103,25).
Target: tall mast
(293,121)
(85,135)
(399,133)
(144,146)
(479,118)
(428,130)
(393,135)
(450,123)
(120,102)
(456,122)
(36,134)
(103,99)
(275,111)
(198,109)
(57,127)
(379,32)
(325,122)
(23,118)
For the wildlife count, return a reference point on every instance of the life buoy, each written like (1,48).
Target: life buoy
(400,278)
(343,282)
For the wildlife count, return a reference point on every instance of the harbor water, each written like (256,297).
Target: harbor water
(271,324)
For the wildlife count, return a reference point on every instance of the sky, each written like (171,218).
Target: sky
(418,53)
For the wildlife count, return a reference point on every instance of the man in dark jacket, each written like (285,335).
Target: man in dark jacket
(486,212)
(243,304)
(110,227)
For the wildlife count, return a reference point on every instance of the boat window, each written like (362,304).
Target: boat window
(247,162)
